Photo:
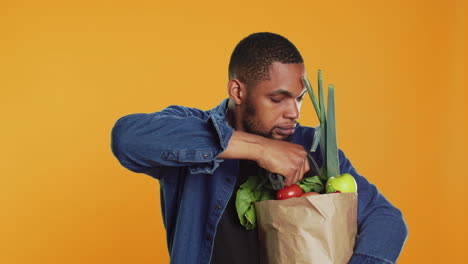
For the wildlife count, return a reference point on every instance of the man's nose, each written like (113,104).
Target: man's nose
(293,111)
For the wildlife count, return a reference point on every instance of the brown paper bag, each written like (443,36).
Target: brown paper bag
(318,229)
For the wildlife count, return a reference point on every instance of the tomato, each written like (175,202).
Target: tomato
(289,192)
(310,194)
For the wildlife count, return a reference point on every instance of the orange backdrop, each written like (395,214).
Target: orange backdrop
(70,69)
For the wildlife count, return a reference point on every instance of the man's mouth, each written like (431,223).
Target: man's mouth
(285,130)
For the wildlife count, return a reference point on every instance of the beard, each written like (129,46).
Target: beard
(252,126)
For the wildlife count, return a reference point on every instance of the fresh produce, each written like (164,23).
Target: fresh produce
(289,192)
(310,194)
(344,183)
(329,179)
(253,190)
(325,136)
(309,184)
(257,188)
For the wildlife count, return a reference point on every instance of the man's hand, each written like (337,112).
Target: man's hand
(285,158)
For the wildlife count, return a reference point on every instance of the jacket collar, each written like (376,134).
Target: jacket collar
(220,111)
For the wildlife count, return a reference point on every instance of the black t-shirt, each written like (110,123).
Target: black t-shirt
(233,243)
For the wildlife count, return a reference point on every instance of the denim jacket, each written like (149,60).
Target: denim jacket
(179,146)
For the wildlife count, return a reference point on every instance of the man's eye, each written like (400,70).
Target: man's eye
(276,100)
(300,99)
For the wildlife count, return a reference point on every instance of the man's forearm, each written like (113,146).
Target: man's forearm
(243,145)
(285,158)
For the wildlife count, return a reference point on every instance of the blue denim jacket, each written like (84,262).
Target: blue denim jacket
(179,146)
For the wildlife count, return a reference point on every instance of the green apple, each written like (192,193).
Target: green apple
(344,183)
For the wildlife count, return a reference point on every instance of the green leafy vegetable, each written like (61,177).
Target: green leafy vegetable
(316,139)
(326,131)
(311,184)
(323,123)
(312,97)
(254,189)
(333,166)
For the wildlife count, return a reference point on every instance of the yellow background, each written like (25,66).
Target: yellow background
(70,69)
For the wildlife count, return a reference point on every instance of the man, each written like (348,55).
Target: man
(201,157)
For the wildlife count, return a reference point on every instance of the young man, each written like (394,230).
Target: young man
(201,157)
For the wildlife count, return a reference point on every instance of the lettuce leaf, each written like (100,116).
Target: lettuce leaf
(252,190)
(311,184)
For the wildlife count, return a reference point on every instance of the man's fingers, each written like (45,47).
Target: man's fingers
(293,176)
(290,179)
(307,166)
(287,159)
(301,171)
(302,166)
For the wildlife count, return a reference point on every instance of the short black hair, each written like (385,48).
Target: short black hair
(252,57)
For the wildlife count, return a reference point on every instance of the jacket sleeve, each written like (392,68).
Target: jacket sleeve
(382,230)
(175,136)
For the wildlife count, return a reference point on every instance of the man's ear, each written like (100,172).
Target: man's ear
(237,91)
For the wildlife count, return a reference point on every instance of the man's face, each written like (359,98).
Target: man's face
(272,106)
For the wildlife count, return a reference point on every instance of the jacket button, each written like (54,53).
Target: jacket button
(217,207)
(206,155)
(208,237)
